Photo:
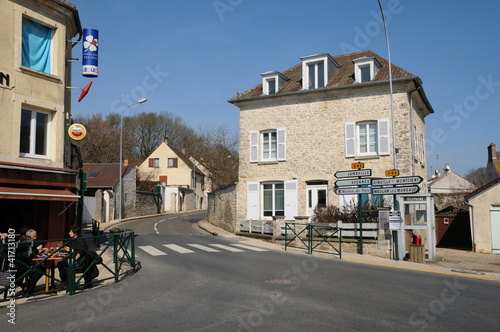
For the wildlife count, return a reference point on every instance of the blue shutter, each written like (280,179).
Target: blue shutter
(252,200)
(281,134)
(384,145)
(350,139)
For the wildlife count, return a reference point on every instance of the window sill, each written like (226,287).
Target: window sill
(270,162)
(30,156)
(366,157)
(40,74)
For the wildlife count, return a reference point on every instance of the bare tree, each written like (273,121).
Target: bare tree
(477,176)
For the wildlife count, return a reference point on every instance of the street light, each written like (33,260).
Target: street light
(140,101)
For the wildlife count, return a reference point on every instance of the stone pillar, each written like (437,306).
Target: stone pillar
(277,227)
(98,206)
(173,202)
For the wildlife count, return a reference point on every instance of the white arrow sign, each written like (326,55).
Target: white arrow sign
(397,180)
(353,191)
(353,182)
(351,174)
(396,190)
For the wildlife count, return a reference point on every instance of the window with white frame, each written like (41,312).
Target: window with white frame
(365,69)
(273,203)
(316,75)
(37,46)
(271,86)
(268,145)
(367,138)
(317,70)
(35,133)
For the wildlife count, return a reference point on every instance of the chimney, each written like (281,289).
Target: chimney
(166,140)
(447,168)
(492,152)
(125,162)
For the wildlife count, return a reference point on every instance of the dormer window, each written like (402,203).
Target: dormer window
(272,82)
(317,70)
(365,69)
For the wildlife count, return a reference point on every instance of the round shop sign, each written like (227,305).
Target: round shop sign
(77,131)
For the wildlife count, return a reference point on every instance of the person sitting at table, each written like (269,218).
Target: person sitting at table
(81,262)
(34,276)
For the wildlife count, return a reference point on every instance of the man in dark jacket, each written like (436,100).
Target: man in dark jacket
(81,256)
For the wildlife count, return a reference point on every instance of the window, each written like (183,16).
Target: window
(172,162)
(270,143)
(365,69)
(154,162)
(316,75)
(34,133)
(273,199)
(367,138)
(272,82)
(36,46)
(271,86)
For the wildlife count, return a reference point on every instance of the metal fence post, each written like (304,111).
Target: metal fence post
(115,255)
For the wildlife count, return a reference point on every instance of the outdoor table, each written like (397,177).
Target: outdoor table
(50,265)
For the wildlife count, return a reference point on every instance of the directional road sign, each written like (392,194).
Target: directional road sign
(396,190)
(400,180)
(353,182)
(353,191)
(350,174)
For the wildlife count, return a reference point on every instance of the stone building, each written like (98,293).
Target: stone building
(37,182)
(302,125)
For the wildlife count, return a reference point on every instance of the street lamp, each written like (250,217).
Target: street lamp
(140,101)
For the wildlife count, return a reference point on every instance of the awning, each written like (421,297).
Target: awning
(38,194)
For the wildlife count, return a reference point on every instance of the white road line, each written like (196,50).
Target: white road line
(156,230)
(152,250)
(199,246)
(221,246)
(244,246)
(177,248)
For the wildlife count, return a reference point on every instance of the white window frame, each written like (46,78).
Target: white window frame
(274,183)
(168,162)
(368,125)
(52,45)
(263,147)
(352,141)
(156,162)
(362,63)
(31,153)
(267,86)
(314,85)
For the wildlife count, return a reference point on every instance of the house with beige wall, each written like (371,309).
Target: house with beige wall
(300,126)
(172,169)
(37,182)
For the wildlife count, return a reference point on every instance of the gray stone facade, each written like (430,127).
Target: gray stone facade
(222,208)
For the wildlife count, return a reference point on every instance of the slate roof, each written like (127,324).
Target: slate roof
(107,174)
(343,77)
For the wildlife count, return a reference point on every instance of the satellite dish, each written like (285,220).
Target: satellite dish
(85,90)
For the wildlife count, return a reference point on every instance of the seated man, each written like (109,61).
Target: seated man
(34,276)
(81,257)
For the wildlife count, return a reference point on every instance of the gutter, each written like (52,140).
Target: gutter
(473,225)
(412,131)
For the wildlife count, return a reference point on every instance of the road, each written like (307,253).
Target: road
(198,282)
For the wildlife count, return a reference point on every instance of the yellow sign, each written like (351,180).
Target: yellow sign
(357,165)
(77,131)
(392,172)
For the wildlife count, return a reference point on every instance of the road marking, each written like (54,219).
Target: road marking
(156,230)
(199,246)
(177,248)
(244,246)
(152,250)
(221,246)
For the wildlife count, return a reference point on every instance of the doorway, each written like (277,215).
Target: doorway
(317,195)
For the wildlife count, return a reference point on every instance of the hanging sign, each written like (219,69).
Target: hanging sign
(77,131)
(350,174)
(90,52)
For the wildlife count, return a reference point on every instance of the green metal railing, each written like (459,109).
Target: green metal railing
(311,236)
(19,265)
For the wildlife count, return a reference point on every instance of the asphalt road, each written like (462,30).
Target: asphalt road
(186,288)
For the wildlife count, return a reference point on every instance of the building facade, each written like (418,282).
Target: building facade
(36,177)
(301,126)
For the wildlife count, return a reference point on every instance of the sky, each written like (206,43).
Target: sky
(190,57)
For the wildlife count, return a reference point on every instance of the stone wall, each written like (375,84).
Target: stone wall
(222,208)
(145,204)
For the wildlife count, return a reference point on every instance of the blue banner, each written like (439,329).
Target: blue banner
(90,52)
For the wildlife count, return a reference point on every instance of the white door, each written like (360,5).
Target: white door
(495,229)
(316,195)
(88,209)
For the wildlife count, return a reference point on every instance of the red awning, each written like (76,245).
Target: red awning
(38,194)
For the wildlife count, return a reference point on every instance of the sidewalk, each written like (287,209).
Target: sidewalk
(472,265)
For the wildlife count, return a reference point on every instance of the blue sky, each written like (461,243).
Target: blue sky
(190,57)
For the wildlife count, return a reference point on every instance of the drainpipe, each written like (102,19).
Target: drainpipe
(473,225)
(412,132)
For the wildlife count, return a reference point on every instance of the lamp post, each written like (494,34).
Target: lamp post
(140,101)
